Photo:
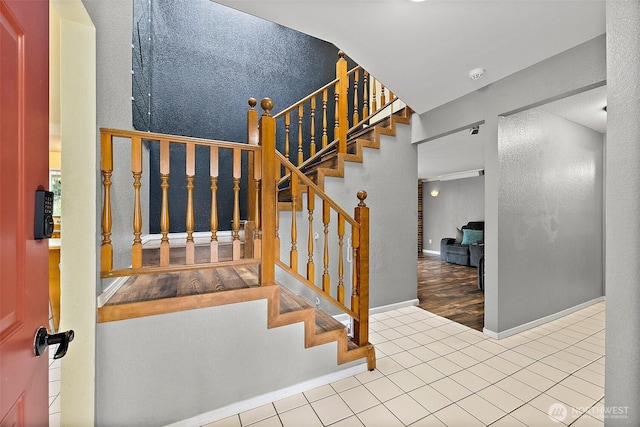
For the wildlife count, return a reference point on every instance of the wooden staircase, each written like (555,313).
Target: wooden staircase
(195,274)
(332,163)
(149,295)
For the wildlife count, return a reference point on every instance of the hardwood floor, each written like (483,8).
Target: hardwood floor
(450,291)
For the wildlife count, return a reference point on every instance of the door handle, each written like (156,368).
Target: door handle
(43,339)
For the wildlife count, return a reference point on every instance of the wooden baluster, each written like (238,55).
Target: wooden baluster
(278,175)
(106,165)
(257,176)
(365,94)
(383,99)
(343,119)
(214,253)
(356,115)
(190,216)
(136,169)
(361,324)
(253,138)
(324,119)
(340,258)
(355,289)
(293,254)
(268,194)
(311,203)
(287,123)
(237,172)
(391,95)
(300,114)
(164,207)
(374,89)
(312,145)
(336,111)
(326,218)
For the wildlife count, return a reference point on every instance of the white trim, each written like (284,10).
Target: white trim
(344,318)
(254,402)
(111,290)
(541,321)
(177,240)
(427,251)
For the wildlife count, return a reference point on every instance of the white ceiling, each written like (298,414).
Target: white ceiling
(423,51)
(462,151)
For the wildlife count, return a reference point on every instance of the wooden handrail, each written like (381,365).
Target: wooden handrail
(360,246)
(307,181)
(346,92)
(305,99)
(333,143)
(153,136)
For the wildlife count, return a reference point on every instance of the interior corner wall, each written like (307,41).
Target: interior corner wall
(622,369)
(79,243)
(551,228)
(388,175)
(575,70)
(113,22)
(458,202)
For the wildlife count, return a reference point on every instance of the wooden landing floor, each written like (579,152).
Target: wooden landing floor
(150,287)
(450,291)
(142,289)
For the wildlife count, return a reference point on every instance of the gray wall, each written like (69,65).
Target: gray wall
(198,349)
(459,201)
(161,369)
(570,72)
(622,379)
(389,177)
(550,216)
(113,64)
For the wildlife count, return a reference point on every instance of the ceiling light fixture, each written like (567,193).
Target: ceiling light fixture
(476,73)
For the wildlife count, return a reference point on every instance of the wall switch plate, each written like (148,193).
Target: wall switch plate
(430,241)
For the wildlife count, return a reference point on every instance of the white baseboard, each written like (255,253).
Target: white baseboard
(344,318)
(177,240)
(427,251)
(541,321)
(254,402)
(111,290)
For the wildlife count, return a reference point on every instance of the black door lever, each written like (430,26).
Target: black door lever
(43,339)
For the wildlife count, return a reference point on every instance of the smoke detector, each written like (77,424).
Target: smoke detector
(476,73)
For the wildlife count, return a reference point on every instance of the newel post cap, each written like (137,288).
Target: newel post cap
(362,195)
(252,103)
(267,105)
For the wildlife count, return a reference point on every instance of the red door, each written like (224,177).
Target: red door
(24,165)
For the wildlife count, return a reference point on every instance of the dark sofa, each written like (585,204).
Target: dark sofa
(454,251)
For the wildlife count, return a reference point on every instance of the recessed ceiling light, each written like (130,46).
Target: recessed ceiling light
(418,1)
(476,73)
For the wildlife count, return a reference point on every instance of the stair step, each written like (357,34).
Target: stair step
(290,302)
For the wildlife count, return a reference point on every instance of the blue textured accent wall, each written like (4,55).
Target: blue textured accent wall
(196,63)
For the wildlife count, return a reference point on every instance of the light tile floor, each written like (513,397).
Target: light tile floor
(434,372)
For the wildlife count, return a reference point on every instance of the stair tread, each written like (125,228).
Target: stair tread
(290,302)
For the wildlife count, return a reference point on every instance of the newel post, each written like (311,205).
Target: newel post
(343,119)
(361,324)
(268,194)
(253,138)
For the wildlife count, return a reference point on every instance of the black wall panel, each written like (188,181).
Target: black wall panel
(196,63)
